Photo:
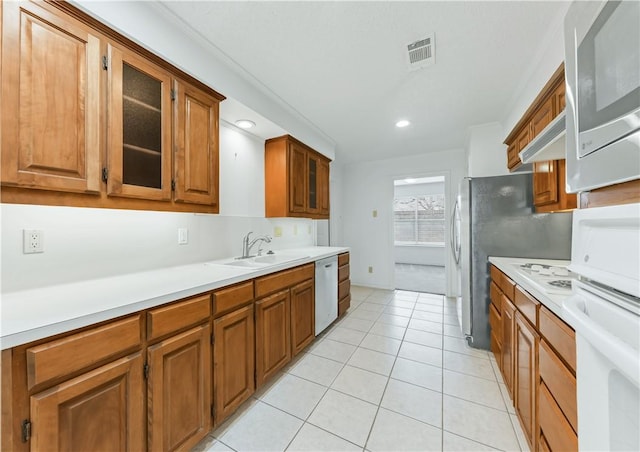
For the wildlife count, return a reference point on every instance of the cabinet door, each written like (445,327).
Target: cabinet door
(512,155)
(523,139)
(542,117)
(526,377)
(297,178)
(139,137)
(273,335)
(50,100)
(100,410)
(545,183)
(508,325)
(196,150)
(323,188)
(233,361)
(302,315)
(559,98)
(313,196)
(179,390)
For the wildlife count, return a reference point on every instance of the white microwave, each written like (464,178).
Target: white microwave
(602,69)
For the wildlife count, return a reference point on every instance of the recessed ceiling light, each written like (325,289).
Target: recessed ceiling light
(245,123)
(402,123)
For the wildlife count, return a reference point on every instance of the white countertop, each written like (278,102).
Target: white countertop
(29,315)
(510,266)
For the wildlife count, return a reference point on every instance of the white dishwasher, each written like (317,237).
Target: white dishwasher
(326,292)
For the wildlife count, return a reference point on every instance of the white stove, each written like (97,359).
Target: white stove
(604,310)
(552,279)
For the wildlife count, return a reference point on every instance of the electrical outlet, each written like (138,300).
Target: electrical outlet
(183,236)
(374,213)
(370,269)
(277,231)
(32,241)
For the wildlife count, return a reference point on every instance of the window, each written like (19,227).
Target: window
(419,220)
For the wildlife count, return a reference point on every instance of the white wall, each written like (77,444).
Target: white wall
(487,155)
(369,186)
(84,243)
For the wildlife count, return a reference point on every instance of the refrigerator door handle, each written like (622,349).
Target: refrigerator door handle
(453,239)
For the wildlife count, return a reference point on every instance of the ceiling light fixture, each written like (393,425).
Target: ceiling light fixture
(402,123)
(245,123)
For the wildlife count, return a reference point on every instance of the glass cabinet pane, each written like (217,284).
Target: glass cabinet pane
(312,204)
(141,129)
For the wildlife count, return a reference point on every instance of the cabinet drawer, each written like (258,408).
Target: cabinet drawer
(560,382)
(343,273)
(228,299)
(281,280)
(527,305)
(496,296)
(495,320)
(555,428)
(343,259)
(496,348)
(559,335)
(73,353)
(507,286)
(343,305)
(344,289)
(177,316)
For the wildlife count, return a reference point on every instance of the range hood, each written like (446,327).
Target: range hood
(550,144)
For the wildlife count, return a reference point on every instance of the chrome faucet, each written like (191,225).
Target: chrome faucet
(247,245)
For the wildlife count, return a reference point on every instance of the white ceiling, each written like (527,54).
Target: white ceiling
(341,65)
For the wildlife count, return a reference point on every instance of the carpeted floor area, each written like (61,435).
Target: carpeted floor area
(420,278)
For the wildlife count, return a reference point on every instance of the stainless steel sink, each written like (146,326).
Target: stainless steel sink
(260,261)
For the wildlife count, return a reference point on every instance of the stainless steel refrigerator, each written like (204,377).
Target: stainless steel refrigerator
(494,216)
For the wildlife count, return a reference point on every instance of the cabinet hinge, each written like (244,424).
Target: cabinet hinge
(173,94)
(105,174)
(105,62)
(146,371)
(173,185)
(26,430)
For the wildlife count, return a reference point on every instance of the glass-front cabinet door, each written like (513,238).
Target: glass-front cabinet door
(139,137)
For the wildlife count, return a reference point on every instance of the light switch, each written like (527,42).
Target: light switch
(277,231)
(183,236)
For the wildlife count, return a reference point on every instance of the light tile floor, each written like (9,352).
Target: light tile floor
(394,374)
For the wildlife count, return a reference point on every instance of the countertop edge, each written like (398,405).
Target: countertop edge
(66,323)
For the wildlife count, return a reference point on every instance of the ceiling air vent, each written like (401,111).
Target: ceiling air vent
(421,53)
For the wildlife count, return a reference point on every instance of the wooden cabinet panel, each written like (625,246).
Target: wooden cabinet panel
(324,188)
(559,98)
(513,157)
(297,178)
(507,286)
(344,304)
(523,139)
(344,289)
(233,361)
(273,335)
(303,319)
(545,183)
(560,335)
(139,120)
(196,151)
(557,432)
(278,281)
(227,299)
(50,100)
(343,259)
(542,117)
(495,321)
(526,377)
(496,297)
(73,353)
(560,382)
(177,316)
(508,327)
(527,305)
(179,390)
(100,410)
(343,272)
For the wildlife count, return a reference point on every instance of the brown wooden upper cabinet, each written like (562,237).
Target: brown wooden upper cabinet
(549,177)
(50,100)
(106,118)
(296,180)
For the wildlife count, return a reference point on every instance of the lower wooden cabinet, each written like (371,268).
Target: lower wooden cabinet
(233,361)
(525,346)
(344,284)
(273,335)
(100,410)
(507,358)
(303,318)
(179,390)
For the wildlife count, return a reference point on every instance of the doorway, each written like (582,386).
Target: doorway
(419,229)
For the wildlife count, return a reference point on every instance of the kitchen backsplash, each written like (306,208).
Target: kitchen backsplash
(84,243)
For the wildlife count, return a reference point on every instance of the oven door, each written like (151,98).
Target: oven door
(602,67)
(608,368)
